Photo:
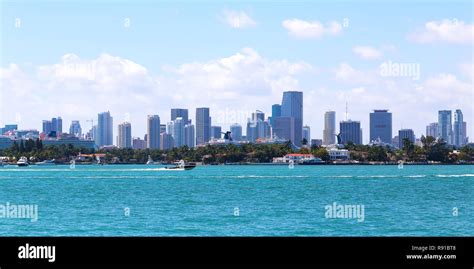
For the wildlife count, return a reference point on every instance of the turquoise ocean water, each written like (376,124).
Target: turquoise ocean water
(141,200)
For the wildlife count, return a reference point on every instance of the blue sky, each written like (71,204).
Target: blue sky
(178,47)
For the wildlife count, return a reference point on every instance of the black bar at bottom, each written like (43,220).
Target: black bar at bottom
(317,250)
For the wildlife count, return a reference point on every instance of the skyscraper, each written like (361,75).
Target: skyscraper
(179,112)
(153,132)
(75,128)
(189,135)
(381,126)
(124,138)
(350,131)
(104,129)
(307,134)
(216,131)
(236,132)
(405,133)
(459,135)
(329,133)
(292,106)
(284,128)
(57,125)
(276,112)
(46,127)
(445,128)
(176,129)
(203,125)
(432,130)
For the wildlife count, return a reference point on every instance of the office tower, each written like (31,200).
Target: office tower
(459,135)
(138,143)
(179,113)
(381,126)
(292,106)
(203,125)
(236,132)
(47,127)
(176,129)
(57,125)
(251,131)
(189,135)
(162,128)
(75,128)
(216,132)
(445,128)
(350,131)
(464,128)
(307,134)
(276,112)
(432,130)
(329,133)
(405,133)
(284,128)
(104,129)
(166,141)
(124,138)
(153,132)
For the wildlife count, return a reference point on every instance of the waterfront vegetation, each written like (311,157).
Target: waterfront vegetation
(432,150)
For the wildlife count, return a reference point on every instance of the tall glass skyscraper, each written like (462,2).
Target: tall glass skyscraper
(329,133)
(104,135)
(458,130)
(445,128)
(432,129)
(75,128)
(292,106)
(236,132)
(350,131)
(189,135)
(381,126)
(176,129)
(153,132)
(276,112)
(405,133)
(203,125)
(179,112)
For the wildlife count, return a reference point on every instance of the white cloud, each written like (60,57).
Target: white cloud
(238,19)
(77,88)
(311,29)
(367,52)
(449,31)
(347,74)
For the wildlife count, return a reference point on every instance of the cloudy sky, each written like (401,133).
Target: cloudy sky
(75,59)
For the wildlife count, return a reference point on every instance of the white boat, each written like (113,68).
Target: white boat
(47,162)
(22,161)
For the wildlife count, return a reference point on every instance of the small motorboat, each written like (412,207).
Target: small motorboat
(23,161)
(47,162)
(181,165)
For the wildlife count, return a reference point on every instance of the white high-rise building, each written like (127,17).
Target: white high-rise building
(329,133)
(124,138)
(176,129)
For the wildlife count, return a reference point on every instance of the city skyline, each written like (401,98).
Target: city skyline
(333,55)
